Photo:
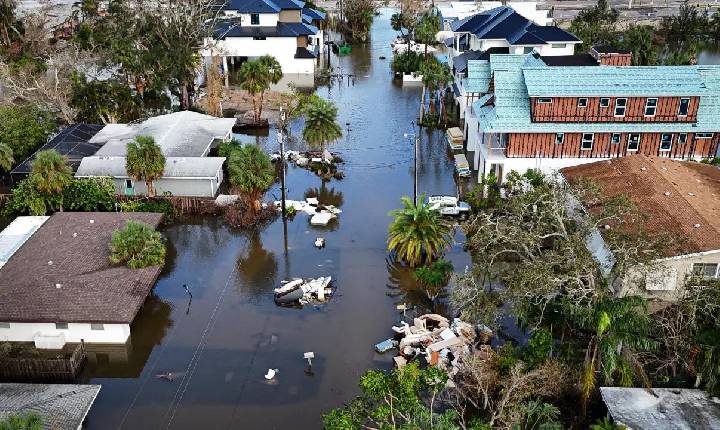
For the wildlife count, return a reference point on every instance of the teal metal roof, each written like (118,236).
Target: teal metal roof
(478,77)
(511,110)
(614,81)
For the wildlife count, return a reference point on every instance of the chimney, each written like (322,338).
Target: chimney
(607,55)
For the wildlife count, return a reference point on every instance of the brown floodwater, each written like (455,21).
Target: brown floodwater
(219,345)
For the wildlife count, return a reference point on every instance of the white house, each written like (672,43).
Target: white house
(285,29)
(457,10)
(185,138)
(680,200)
(57,285)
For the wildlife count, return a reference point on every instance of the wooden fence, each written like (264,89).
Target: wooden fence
(184,205)
(41,369)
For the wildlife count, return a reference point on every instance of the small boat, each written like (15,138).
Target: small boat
(454,137)
(462,167)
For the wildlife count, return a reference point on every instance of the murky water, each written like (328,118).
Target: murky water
(219,345)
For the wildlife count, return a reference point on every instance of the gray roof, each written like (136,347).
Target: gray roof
(179,134)
(175,167)
(671,408)
(61,406)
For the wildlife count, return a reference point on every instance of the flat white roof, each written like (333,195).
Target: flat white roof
(15,234)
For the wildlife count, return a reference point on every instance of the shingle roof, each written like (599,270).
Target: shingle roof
(175,167)
(74,252)
(694,195)
(229,28)
(460,62)
(613,81)
(301,52)
(504,23)
(313,14)
(61,406)
(252,6)
(478,78)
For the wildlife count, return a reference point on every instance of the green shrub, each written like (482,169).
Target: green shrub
(88,195)
(27,200)
(151,205)
(227,148)
(539,347)
(137,245)
(24,421)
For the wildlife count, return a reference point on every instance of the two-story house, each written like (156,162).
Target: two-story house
(457,10)
(538,117)
(285,29)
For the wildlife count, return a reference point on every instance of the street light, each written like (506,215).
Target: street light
(416,139)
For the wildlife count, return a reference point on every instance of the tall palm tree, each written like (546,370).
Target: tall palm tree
(251,172)
(256,76)
(145,161)
(6,157)
(417,234)
(621,327)
(435,75)
(321,125)
(51,174)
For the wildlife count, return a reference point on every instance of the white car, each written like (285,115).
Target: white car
(449,206)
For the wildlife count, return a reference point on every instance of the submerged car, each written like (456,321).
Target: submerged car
(449,206)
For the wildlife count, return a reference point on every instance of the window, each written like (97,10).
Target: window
(4,325)
(61,326)
(528,50)
(128,183)
(704,135)
(559,138)
(620,105)
(665,141)
(615,138)
(259,38)
(604,102)
(582,102)
(650,107)
(682,138)
(633,141)
(544,100)
(683,108)
(706,270)
(254,19)
(587,141)
(97,326)
(558,45)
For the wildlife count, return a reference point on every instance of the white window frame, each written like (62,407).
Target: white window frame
(544,100)
(687,106)
(606,100)
(561,140)
(4,325)
(623,107)
(582,102)
(669,143)
(612,138)
(61,326)
(558,45)
(630,136)
(693,271)
(583,141)
(97,326)
(654,100)
(682,138)
(703,135)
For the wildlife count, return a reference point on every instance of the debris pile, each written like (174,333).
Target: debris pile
(442,343)
(323,163)
(301,292)
(320,214)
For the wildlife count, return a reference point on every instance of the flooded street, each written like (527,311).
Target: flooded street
(219,345)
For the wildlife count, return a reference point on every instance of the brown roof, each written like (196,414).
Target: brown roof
(676,195)
(91,289)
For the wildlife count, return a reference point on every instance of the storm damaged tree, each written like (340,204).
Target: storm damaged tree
(358,18)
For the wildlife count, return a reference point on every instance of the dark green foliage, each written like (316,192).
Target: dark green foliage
(87,195)
(158,205)
(137,245)
(535,415)
(595,25)
(434,278)
(539,347)
(227,148)
(25,421)
(715,161)
(640,40)
(27,200)
(406,62)
(24,129)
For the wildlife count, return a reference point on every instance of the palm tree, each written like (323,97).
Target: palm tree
(6,157)
(426,31)
(251,172)
(417,234)
(321,125)
(51,174)
(145,161)
(620,327)
(137,245)
(435,76)
(256,76)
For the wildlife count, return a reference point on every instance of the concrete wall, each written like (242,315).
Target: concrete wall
(282,48)
(175,186)
(27,332)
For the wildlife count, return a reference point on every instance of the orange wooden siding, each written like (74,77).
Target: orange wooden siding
(566,109)
(543,145)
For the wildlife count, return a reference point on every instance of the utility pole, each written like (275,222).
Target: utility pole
(281,138)
(416,140)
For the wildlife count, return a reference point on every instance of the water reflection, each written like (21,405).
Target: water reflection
(406,289)
(257,267)
(325,195)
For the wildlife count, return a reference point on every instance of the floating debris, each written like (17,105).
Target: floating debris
(271,374)
(301,292)
(320,242)
(324,163)
(320,214)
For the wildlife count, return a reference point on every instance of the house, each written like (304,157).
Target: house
(458,10)
(533,116)
(503,27)
(57,284)
(285,29)
(185,138)
(680,200)
(661,408)
(61,406)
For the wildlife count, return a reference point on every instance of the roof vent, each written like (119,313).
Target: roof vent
(691,194)
(643,169)
(58,286)
(607,226)
(74,234)
(92,221)
(50,263)
(696,225)
(667,193)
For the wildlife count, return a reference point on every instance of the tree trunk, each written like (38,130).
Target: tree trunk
(260,107)
(422,105)
(184,96)
(150,188)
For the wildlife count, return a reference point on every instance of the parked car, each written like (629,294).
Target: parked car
(449,206)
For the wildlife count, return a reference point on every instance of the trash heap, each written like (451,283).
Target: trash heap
(432,338)
(301,291)
(323,163)
(320,214)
